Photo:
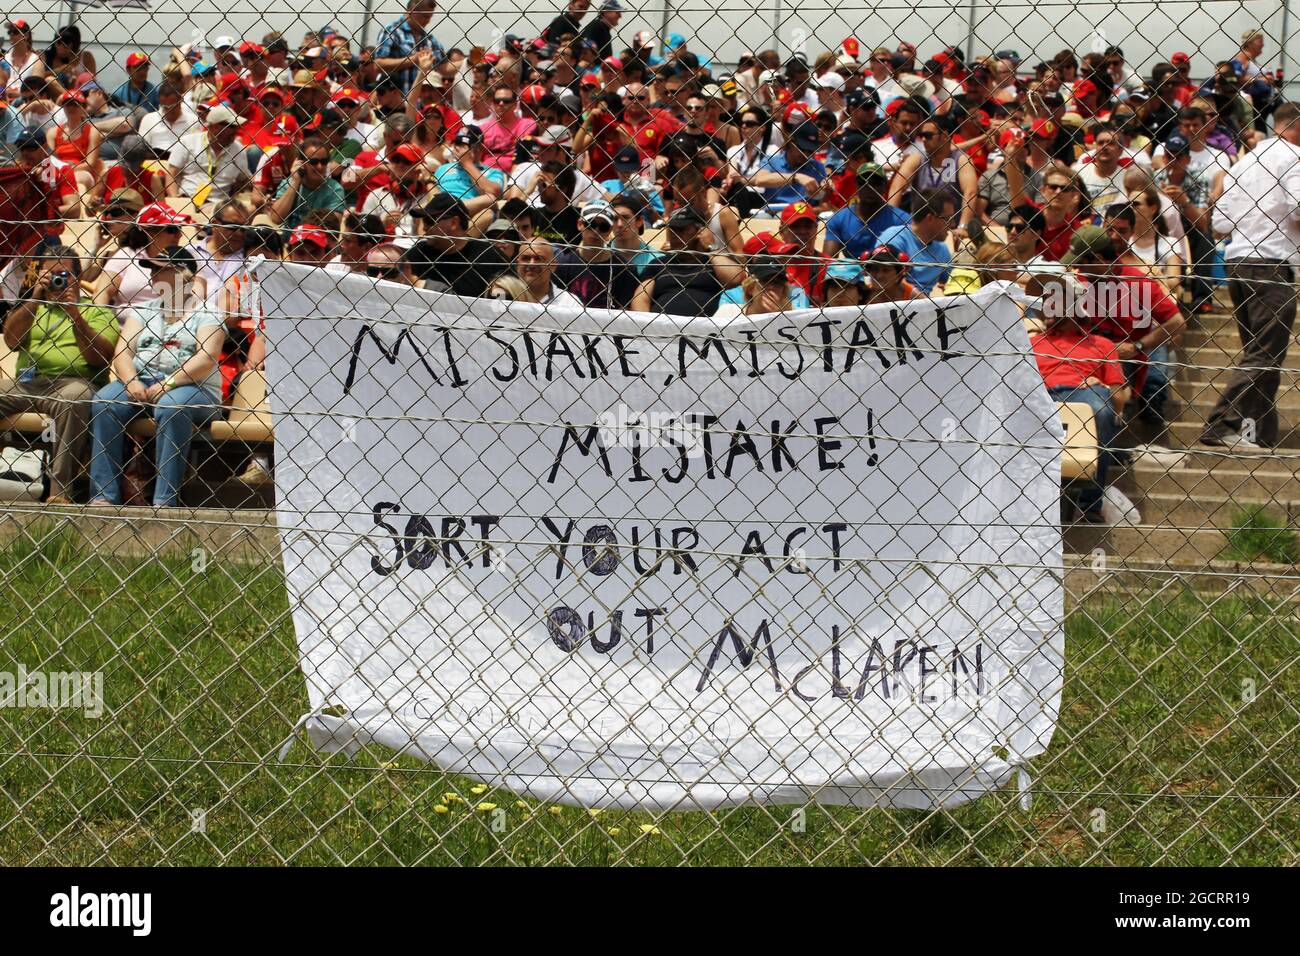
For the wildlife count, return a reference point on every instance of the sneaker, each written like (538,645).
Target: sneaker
(256,474)
(1118,508)
(1232,441)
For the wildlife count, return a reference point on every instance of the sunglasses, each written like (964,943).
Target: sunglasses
(500,102)
(599,225)
(317,162)
(1016,227)
(750,124)
(118,211)
(1051,187)
(381,272)
(926,136)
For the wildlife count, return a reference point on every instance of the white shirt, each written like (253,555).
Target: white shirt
(214,269)
(1208,160)
(135,283)
(163,135)
(890,155)
(192,160)
(585,189)
(562,298)
(747,165)
(1103,189)
(1260,205)
(887,89)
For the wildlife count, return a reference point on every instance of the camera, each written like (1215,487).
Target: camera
(60,280)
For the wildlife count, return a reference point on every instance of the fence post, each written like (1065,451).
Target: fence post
(970,31)
(366,13)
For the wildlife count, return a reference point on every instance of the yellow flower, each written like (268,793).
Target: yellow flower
(486,807)
(595,812)
(452,798)
(650,828)
(440,808)
(476,790)
(520,805)
(555,811)
(614,831)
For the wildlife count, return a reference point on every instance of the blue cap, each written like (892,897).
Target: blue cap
(199,67)
(1177,145)
(844,270)
(674,41)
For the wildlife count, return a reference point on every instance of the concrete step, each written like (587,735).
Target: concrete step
(1160,545)
(1279,486)
(1188,432)
(1215,355)
(1205,512)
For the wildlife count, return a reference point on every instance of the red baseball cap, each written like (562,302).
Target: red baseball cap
(1084,88)
(313,234)
(272,89)
(851,47)
(589,79)
(766,242)
(409,152)
(796,106)
(613,62)
(248,46)
(135,59)
(893,107)
(231,81)
(73,96)
(1180,58)
(349,94)
(797,211)
(161,214)
(532,95)
(1043,128)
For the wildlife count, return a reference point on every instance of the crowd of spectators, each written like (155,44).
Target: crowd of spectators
(581,167)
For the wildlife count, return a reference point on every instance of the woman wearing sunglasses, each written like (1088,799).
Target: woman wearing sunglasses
(115,230)
(126,280)
(165,366)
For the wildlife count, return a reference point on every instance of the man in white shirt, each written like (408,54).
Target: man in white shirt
(211,166)
(1259,213)
(552,143)
(536,265)
(880,77)
(173,120)
(1101,171)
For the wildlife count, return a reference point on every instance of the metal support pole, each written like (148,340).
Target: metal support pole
(365,23)
(1284,64)
(776,26)
(970,31)
(663,27)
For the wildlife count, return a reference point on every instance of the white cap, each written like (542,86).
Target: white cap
(223,114)
(830,81)
(223,42)
(768,76)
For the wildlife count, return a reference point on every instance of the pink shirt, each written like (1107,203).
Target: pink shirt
(500,137)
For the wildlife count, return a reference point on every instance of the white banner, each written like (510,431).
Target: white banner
(614,559)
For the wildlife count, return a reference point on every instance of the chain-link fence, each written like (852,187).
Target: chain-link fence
(673,434)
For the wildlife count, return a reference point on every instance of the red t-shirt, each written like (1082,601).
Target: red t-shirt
(146,182)
(57,177)
(1067,356)
(275,167)
(1056,239)
(809,276)
(1128,304)
(268,131)
(366,159)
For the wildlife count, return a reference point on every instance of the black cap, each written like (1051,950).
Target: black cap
(862,96)
(440,205)
(806,136)
(627,159)
(29,138)
(685,216)
(174,257)
(468,135)
(853,144)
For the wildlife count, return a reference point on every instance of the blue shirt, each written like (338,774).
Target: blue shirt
(930,264)
(856,237)
(617,188)
(791,192)
(453,179)
(736,296)
(399,39)
(134,96)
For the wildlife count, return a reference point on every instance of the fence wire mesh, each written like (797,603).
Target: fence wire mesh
(349,520)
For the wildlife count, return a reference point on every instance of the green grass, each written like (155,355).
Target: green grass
(202,687)
(1257,534)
